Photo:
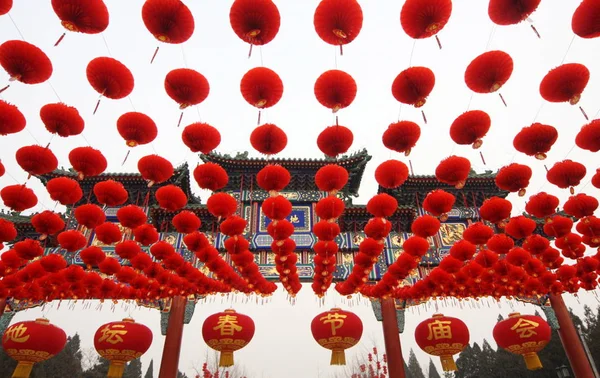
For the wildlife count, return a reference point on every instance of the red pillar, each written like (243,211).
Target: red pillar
(570,339)
(2,305)
(391,334)
(170,358)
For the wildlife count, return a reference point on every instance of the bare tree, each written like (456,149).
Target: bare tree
(89,358)
(209,368)
(370,364)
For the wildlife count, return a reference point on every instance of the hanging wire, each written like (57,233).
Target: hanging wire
(568,49)
(412,52)
(492,33)
(16,27)
(106,44)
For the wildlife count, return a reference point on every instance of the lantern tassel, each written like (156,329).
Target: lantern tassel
(250,52)
(180,118)
(226,359)
(502,98)
(536,32)
(482,159)
(23,370)
(115,370)
(532,361)
(584,113)
(154,55)
(424,117)
(5,88)
(338,357)
(126,156)
(448,363)
(60,39)
(97,105)
(438,41)
(258,123)
(341,50)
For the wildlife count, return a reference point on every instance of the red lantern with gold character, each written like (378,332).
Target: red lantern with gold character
(443,336)
(227,332)
(121,342)
(525,335)
(337,330)
(31,342)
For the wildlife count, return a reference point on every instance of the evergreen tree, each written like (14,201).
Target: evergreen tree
(468,362)
(592,334)
(486,360)
(150,371)
(181,375)
(133,369)
(414,369)
(99,370)
(406,372)
(448,374)
(433,373)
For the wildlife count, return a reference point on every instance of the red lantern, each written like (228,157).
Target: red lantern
(62,119)
(201,137)
(510,12)
(211,176)
(565,83)
(36,160)
(337,330)
(566,174)
(87,161)
(255,21)
(413,85)
(470,127)
(535,140)
(169,21)
(155,169)
(335,89)
(261,87)
(121,342)
(401,136)
(489,72)
(25,62)
(338,22)
(424,18)
(588,137)
(11,119)
(335,140)
(5,6)
(110,78)
(136,128)
(525,335)
(227,332)
(584,22)
(18,197)
(453,170)
(514,178)
(82,16)
(186,87)
(442,336)
(268,139)
(31,342)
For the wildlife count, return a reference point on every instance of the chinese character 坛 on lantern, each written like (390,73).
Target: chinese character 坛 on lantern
(113,336)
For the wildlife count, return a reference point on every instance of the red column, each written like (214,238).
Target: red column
(570,339)
(2,305)
(170,358)
(391,334)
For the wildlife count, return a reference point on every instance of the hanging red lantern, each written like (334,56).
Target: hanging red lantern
(268,139)
(542,205)
(71,240)
(580,206)
(565,83)
(31,342)
(338,22)
(121,342)
(136,128)
(514,178)
(36,160)
(391,174)
(227,332)
(453,170)
(221,205)
(335,140)
(489,72)
(337,330)
(424,18)
(566,174)
(331,178)
(47,223)
(510,12)
(335,90)
(588,137)
(169,21)
(155,169)
(520,227)
(201,137)
(439,203)
(596,179)
(110,78)
(171,197)
(535,140)
(5,6)
(81,16)
(425,226)
(87,161)
(495,210)
(11,119)
(584,22)
(211,176)
(442,336)
(255,21)
(8,232)
(273,178)
(525,335)
(110,193)
(470,127)
(186,87)
(401,136)
(186,222)
(131,216)
(24,62)
(18,197)
(61,119)
(413,85)
(261,87)
(89,215)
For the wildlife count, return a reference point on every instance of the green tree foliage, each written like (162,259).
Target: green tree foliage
(414,369)
(432,371)
(133,369)
(592,333)
(150,371)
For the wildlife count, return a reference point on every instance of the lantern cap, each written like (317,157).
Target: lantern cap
(336,309)
(514,314)
(128,320)
(437,315)
(42,321)
(229,311)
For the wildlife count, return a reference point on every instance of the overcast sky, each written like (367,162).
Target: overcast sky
(283,345)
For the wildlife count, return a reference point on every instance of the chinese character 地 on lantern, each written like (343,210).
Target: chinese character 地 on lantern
(443,336)
(121,342)
(337,330)
(525,335)
(227,332)
(31,342)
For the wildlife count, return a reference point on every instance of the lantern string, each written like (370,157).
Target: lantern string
(568,49)
(491,36)
(412,51)
(16,27)
(106,44)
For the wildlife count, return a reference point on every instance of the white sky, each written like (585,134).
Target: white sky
(283,345)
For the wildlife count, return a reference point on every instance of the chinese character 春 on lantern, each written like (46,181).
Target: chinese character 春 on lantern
(525,335)
(442,336)
(337,330)
(121,342)
(227,332)
(32,341)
